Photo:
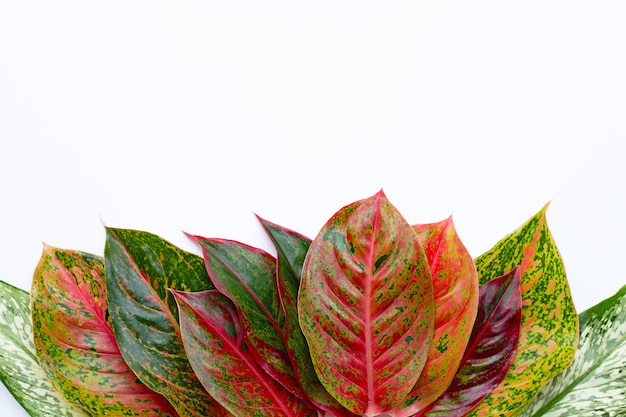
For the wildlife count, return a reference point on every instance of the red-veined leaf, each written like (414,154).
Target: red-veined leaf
(291,249)
(213,338)
(140,267)
(490,351)
(549,330)
(247,276)
(455,288)
(75,344)
(366,306)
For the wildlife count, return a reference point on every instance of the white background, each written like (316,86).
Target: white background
(191,116)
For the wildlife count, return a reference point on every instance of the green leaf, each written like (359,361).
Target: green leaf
(595,384)
(19,369)
(247,276)
(366,306)
(212,334)
(549,332)
(455,287)
(140,268)
(490,351)
(291,249)
(74,343)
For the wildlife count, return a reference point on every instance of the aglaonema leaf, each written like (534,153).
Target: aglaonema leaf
(140,268)
(213,338)
(549,329)
(291,249)
(247,276)
(19,369)
(366,306)
(490,351)
(75,344)
(595,384)
(455,286)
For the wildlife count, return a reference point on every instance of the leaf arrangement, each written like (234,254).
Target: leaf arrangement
(373,317)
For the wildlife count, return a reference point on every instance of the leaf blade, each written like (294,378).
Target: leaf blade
(211,333)
(19,369)
(366,306)
(455,287)
(596,380)
(140,267)
(291,248)
(490,351)
(549,330)
(74,343)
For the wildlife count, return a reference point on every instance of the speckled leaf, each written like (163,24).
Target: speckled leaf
(213,337)
(75,344)
(490,351)
(549,331)
(19,369)
(247,276)
(366,306)
(595,384)
(291,249)
(140,267)
(455,286)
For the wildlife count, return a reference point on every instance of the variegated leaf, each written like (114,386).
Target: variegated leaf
(247,276)
(75,344)
(549,331)
(19,369)
(455,287)
(213,338)
(140,268)
(291,249)
(490,351)
(595,384)
(366,306)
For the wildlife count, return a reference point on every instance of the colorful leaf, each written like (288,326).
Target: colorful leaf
(19,369)
(74,343)
(291,249)
(596,381)
(247,276)
(455,287)
(213,338)
(549,330)
(366,306)
(490,351)
(140,267)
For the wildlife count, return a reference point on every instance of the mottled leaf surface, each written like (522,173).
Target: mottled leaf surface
(595,384)
(291,249)
(455,287)
(213,338)
(19,369)
(75,344)
(366,306)
(140,267)
(247,276)
(490,351)
(549,330)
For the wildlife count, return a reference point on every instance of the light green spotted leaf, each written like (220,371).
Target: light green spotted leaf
(549,328)
(19,369)
(595,384)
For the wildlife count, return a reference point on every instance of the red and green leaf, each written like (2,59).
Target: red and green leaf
(213,338)
(247,276)
(366,306)
(75,344)
(491,349)
(549,329)
(455,288)
(291,249)
(140,267)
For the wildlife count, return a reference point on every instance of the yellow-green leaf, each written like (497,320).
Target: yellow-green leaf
(549,330)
